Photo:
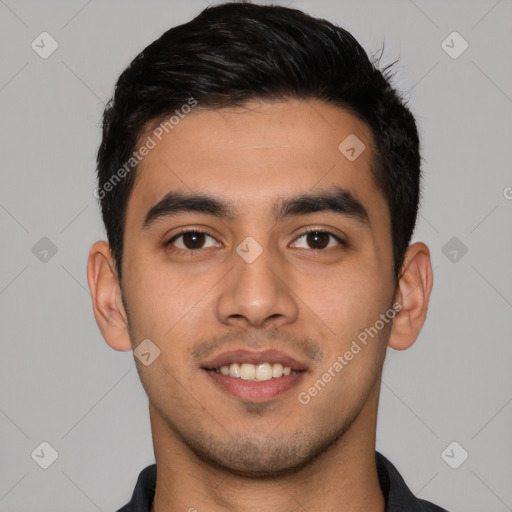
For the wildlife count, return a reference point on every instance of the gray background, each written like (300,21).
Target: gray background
(62,384)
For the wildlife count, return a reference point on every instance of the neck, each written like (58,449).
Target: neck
(343,479)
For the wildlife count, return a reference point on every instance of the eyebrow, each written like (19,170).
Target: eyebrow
(335,200)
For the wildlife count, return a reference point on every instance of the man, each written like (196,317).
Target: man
(259,181)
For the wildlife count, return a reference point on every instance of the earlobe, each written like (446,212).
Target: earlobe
(106,297)
(413,293)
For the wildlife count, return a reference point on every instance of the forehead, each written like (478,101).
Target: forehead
(252,156)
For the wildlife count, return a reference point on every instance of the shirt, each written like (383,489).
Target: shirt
(396,493)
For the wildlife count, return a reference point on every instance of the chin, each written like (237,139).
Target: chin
(262,458)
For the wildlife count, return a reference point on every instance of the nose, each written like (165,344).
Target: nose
(257,292)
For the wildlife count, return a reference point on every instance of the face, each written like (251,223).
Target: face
(252,286)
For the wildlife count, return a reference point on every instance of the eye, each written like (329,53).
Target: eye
(319,239)
(194,240)
(191,240)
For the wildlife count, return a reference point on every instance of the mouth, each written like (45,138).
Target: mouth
(255,372)
(254,376)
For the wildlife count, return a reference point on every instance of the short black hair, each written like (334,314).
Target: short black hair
(237,52)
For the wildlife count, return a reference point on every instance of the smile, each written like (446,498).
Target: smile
(255,372)
(254,376)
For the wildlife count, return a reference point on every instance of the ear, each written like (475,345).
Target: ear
(413,293)
(106,297)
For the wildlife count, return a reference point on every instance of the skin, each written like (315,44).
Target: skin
(213,451)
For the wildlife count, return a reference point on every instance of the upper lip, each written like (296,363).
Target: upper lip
(271,356)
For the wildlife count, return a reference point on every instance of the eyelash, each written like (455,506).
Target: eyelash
(196,231)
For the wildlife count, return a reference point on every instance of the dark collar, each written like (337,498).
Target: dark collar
(396,493)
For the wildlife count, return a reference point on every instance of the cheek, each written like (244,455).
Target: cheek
(168,305)
(349,297)
(350,305)
(155,292)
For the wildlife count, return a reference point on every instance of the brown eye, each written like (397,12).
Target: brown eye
(319,240)
(191,240)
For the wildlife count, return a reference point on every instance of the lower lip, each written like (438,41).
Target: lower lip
(254,391)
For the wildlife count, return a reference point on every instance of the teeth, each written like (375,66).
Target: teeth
(264,371)
(234,370)
(277,370)
(247,371)
(255,372)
